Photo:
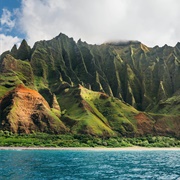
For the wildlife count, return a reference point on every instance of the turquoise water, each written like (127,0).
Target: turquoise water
(68,164)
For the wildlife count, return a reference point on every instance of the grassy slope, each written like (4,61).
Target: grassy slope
(14,72)
(96,113)
(169,106)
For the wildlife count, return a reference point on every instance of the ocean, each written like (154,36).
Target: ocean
(86,164)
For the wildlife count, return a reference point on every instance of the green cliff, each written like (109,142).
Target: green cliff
(123,88)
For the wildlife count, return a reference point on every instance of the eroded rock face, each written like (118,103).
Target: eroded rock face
(146,78)
(55,103)
(144,124)
(24,110)
(158,125)
(131,71)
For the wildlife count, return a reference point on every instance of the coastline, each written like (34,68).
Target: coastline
(133,148)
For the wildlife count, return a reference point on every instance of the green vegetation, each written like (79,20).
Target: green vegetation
(14,72)
(168,106)
(101,90)
(78,140)
(95,113)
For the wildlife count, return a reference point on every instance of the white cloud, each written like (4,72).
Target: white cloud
(151,22)
(7,23)
(89,20)
(6,42)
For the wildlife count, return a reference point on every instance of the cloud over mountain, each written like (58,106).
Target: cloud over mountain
(151,22)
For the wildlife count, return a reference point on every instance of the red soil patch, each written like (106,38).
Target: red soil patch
(28,111)
(144,124)
(22,89)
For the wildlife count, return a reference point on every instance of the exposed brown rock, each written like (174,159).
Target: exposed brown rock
(24,110)
(167,125)
(144,124)
(158,125)
(103,96)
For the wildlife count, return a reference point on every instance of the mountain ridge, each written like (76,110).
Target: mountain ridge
(146,78)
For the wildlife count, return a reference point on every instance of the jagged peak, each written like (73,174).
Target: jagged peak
(177,45)
(14,51)
(63,36)
(14,48)
(166,46)
(82,42)
(24,43)
(24,50)
(156,47)
(79,41)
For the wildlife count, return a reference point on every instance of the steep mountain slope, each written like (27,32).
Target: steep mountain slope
(96,113)
(14,72)
(124,74)
(24,110)
(139,75)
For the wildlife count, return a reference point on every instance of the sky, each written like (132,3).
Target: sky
(153,22)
